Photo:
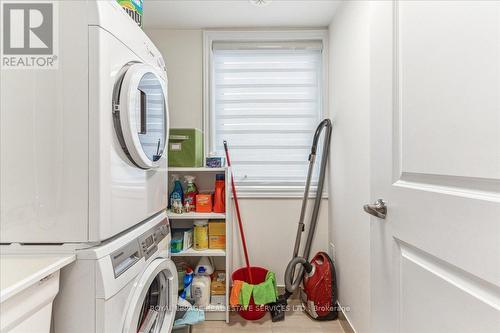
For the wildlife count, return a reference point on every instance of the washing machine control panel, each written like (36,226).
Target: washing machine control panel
(144,246)
(148,242)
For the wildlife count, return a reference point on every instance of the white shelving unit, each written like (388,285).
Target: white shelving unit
(194,253)
(196,216)
(205,181)
(187,169)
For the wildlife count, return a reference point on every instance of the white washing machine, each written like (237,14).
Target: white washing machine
(83,144)
(121,285)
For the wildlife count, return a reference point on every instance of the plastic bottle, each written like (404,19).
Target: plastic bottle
(200,235)
(200,289)
(220,194)
(188,280)
(204,267)
(190,194)
(177,193)
(176,243)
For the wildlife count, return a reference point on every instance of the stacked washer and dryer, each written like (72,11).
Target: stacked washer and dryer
(84,170)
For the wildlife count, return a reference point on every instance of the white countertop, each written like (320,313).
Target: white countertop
(20,271)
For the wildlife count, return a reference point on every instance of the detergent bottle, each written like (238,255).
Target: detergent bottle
(188,280)
(220,194)
(200,289)
(205,266)
(177,194)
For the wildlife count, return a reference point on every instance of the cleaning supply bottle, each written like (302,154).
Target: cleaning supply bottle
(200,289)
(188,281)
(190,194)
(220,194)
(177,193)
(205,266)
(200,235)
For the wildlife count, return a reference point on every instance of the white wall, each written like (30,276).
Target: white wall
(270,224)
(350,164)
(182,51)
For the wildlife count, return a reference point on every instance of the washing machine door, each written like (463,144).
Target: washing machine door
(140,114)
(153,301)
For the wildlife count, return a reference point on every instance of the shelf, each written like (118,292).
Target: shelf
(216,312)
(195,216)
(215,308)
(188,169)
(194,253)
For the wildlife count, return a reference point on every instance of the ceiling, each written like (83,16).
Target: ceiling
(195,14)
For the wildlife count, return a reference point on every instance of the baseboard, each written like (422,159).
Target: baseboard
(344,322)
(281,291)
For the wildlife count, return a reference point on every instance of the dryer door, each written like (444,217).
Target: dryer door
(153,301)
(140,114)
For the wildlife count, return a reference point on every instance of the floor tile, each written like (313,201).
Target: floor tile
(296,321)
(331,326)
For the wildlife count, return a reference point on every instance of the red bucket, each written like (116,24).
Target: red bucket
(253,312)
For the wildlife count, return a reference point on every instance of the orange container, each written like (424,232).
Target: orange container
(217,242)
(204,203)
(220,194)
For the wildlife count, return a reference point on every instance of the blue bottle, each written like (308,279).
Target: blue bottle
(188,279)
(177,193)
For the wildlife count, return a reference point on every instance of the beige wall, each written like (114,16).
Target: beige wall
(350,167)
(270,224)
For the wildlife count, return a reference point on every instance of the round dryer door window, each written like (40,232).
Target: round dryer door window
(153,303)
(140,114)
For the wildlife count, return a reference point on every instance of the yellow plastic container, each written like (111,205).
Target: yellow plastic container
(200,235)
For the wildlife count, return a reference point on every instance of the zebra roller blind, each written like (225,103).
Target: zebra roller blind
(266,101)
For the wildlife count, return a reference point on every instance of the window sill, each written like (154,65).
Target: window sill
(284,192)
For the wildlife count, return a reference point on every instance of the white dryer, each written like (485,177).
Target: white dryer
(83,145)
(113,287)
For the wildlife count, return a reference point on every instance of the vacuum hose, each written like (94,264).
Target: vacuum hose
(292,278)
(290,284)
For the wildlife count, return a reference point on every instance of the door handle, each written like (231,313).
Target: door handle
(144,106)
(377,209)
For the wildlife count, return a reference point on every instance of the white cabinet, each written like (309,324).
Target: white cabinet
(29,284)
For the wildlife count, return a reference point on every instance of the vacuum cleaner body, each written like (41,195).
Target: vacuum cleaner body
(319,289)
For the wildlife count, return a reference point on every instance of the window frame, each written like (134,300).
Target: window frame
(211,36)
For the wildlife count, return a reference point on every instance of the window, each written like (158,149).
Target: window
(266,99)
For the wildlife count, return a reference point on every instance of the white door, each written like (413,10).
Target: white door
(140,114)
(435,152)
(153,302)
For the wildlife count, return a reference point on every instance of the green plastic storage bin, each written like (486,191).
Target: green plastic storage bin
(185,147)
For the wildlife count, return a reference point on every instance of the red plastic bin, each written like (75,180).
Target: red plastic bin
(253,312)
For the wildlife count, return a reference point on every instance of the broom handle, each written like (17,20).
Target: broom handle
(237,206)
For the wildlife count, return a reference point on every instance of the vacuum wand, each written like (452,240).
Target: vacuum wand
(291,283)
(293,278)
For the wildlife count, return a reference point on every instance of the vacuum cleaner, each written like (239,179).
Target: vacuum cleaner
(318,292)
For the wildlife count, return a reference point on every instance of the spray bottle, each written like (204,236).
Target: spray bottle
(177,195)
(190,195)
